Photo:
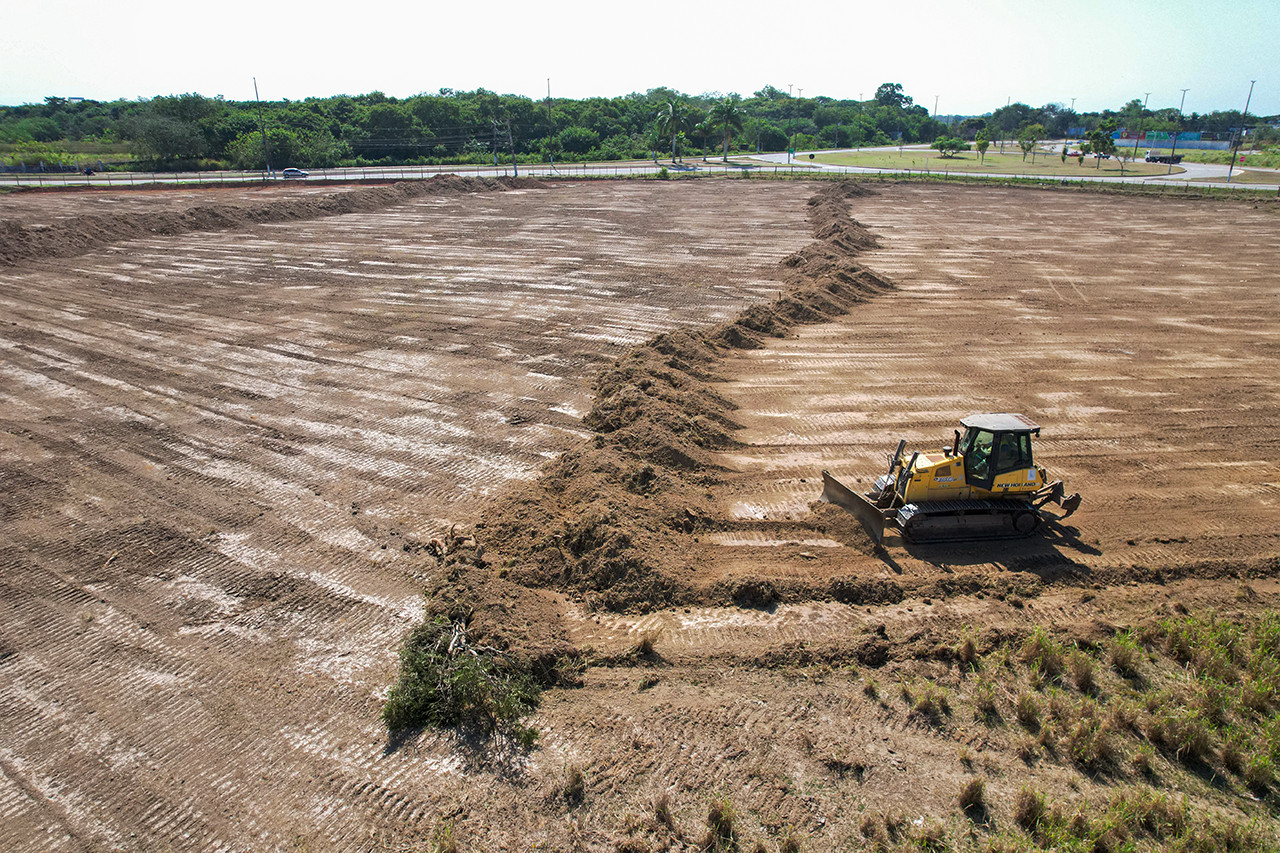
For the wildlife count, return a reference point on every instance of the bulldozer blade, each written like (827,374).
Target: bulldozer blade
(871,516)
(1070,505)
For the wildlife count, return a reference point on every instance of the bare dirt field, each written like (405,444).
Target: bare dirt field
(222,454)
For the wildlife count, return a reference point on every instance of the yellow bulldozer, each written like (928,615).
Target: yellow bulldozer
(986,485)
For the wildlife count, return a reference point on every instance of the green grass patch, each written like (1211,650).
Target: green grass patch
(1045,165)
(1265,159)
(1179,698)
(1244,176)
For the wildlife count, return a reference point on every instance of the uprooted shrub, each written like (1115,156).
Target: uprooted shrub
(447,680)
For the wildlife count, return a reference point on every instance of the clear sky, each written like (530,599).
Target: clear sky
(972,56)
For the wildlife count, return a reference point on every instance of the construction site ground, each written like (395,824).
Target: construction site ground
(224,447)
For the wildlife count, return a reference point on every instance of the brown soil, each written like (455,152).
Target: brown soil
(224,455)
(68,236)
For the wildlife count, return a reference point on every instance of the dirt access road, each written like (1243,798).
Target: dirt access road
(217,446)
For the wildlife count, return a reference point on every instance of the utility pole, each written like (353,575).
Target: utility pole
(1141,115)
(550,128)
(1176,130)
(1236,151)
(266,153)
(515,170)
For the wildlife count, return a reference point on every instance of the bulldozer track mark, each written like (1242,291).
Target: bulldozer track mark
(292,423)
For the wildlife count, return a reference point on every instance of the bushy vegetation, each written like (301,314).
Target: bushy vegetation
(446,680)
(450,127)
(949,145)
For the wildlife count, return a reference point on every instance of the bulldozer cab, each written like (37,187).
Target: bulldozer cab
(993,445)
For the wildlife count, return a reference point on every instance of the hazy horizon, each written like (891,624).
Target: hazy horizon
(967,58)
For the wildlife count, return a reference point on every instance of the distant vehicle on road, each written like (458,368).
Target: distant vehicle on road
(1171,159)
(292,173)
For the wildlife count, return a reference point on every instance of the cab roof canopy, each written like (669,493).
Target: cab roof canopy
(1002,422)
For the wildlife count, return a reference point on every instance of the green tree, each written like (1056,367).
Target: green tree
(577,140)
(164,139)
(982,142)
(890,95)
(726,116)
(37,129)
(970,127)
(1028,136)
(1100,141)
(673,118)
(949,146)
(703,129)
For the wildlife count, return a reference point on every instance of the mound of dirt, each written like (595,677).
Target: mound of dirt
(616,521)
(81,234)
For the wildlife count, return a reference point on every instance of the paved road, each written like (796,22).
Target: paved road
(124,179)
(1203,174)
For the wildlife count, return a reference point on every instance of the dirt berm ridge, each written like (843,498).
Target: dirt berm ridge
(81,234)
(610,522)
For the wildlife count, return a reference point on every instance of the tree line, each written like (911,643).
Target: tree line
(451,127)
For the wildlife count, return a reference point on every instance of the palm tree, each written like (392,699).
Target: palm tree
(726,115)
(704,129)
(673,117)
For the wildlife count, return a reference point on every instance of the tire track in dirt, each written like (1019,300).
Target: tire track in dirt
(1163,485)
(67,235)
(224,451)
(1148,427)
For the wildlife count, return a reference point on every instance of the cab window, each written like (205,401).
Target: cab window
(977,453)
(1012,452)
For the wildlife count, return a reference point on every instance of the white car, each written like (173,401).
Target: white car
(292,174)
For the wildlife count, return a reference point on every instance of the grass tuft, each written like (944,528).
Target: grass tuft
(973,796)
(1029,809)
(932,703)
(1124,653)
(575,785)
(1080,665)
(662,811)
(1043,653)
(1027,710)
(967,652)
(721,832)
